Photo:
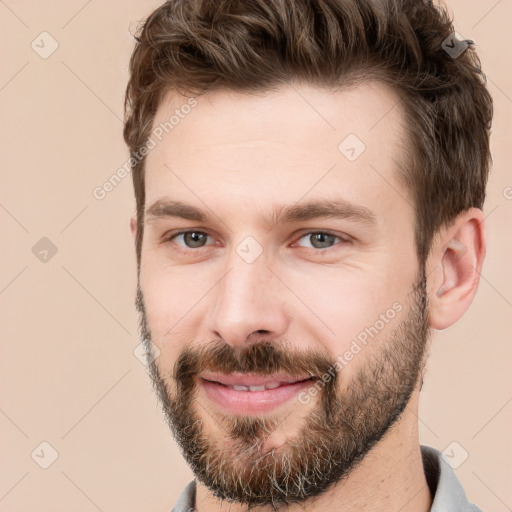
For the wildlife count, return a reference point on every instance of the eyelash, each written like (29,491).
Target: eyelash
(327,250)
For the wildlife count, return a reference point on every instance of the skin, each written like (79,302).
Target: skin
(239,156)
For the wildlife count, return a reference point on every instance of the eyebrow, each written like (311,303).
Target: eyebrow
(340,209)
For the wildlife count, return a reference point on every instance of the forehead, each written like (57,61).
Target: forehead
(279,146)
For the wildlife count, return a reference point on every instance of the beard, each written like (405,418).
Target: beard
(238,464)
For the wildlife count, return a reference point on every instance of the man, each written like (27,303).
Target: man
(309,179)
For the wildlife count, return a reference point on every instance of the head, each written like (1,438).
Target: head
(328,161)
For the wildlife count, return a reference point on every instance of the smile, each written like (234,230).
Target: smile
(246,394)
(263,387)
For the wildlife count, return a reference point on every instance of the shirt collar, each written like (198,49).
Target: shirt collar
(448,494)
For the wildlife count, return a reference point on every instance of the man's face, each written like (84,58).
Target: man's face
(280,285)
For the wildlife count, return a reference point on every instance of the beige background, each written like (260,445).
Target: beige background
(68,374)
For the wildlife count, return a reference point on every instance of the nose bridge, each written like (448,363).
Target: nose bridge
(241,293)
(247,301)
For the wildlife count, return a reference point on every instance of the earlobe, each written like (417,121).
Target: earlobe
(458,255)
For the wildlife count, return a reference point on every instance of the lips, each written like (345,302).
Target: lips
(242,394)
(243,382)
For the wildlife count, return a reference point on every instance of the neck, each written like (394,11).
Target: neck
(390,477)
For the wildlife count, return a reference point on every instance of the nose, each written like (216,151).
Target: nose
(247,304)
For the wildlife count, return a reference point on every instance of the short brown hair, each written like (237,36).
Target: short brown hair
(193,46)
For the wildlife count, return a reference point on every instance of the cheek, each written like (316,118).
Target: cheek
(348,310)
(176,299)
(168,302)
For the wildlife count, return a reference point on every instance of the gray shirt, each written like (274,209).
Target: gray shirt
(448,494)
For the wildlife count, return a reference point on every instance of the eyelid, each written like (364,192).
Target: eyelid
(343,237)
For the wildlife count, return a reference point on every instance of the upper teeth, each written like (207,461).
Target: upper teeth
(270,385)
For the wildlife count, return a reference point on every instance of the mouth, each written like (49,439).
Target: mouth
(248,394)
(242,382)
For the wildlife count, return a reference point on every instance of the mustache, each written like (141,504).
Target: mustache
(262,358)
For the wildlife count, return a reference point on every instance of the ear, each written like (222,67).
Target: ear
(454,267)
(133,227)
